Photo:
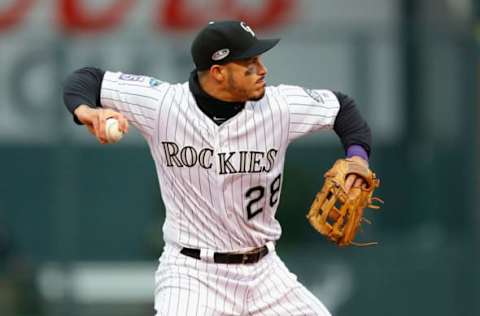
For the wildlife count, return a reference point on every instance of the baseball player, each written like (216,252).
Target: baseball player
(219,142)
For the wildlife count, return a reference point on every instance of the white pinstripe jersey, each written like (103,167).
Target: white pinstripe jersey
(220,184)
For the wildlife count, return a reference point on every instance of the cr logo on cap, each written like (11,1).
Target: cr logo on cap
(220,54)
(247,28)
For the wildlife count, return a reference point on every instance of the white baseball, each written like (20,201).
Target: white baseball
(112,131)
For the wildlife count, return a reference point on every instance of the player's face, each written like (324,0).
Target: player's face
(246,79)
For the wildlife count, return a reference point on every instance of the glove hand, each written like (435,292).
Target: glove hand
(354,180)
(337,210)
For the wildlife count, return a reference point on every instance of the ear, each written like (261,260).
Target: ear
(217,73)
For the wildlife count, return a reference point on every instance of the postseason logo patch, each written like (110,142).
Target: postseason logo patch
(220,54)
(314,95)
(128,77)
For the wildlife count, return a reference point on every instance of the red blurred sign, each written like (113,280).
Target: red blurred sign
(75,16)
(14,13)
(174,15)
(179,15)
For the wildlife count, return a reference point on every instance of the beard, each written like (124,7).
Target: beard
(243,93)
(258,98)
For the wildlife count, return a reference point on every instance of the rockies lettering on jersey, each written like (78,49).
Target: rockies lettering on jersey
(220,184)
(248,161)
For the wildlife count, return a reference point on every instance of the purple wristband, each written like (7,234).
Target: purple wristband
(357,150)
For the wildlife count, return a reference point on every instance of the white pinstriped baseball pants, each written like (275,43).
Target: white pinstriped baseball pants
(188,286)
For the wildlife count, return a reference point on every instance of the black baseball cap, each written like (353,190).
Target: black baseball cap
(224,41)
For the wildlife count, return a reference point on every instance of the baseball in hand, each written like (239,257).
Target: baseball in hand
(114,134)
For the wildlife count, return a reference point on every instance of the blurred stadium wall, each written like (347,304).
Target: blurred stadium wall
(80,223)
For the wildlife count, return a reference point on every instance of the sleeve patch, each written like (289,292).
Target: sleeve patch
(154,82)
(314,95)
(128,77)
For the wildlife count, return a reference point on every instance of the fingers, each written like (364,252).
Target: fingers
(353,181)
(101,133)
(359,181)
(122,122)
(99,127)
(349,181)
(95,121)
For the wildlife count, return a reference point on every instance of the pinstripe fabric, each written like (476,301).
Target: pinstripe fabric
(310,110)
(221,187)
(186,286)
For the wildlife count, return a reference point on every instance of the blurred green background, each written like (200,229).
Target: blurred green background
(80,223)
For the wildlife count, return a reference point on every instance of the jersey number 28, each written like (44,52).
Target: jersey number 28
(257,192)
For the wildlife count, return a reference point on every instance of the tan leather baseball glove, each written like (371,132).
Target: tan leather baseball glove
(337,214)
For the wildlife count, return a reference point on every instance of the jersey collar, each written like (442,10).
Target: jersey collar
(217,110)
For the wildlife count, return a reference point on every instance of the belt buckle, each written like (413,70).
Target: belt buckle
(244,258)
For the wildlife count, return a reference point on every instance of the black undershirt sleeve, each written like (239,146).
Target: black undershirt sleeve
(350,126)
(82,87)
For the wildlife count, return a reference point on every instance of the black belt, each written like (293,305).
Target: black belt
(252,256)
